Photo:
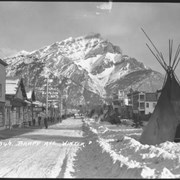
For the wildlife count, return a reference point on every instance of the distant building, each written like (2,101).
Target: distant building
(142,102)
(122,95)
(2,93)
(150,102)
(116,103)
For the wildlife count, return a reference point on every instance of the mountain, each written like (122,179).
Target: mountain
(87,69)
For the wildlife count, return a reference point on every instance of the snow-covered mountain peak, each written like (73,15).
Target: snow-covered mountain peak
(23,52)
(93,35)
(90,62)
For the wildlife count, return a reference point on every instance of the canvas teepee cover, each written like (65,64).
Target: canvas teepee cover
(166,116)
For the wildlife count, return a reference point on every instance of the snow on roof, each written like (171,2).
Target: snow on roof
(11,86)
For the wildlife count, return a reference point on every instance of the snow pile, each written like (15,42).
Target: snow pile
(133,159)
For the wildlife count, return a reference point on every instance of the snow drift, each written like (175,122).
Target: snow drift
(133,159)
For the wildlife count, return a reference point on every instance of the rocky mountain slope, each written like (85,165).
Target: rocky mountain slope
(86,69)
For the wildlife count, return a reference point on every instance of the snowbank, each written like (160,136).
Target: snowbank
(133,159)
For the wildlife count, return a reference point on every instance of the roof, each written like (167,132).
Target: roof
(12,86)
(3,63)
(135,92)
(151,97)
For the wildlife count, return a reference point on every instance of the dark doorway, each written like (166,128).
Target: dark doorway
(177,135)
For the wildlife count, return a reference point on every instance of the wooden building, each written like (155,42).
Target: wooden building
(2,93)
(15,102)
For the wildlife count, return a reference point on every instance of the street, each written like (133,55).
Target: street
(41,153)
(64,150)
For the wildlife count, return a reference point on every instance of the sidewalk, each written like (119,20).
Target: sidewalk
(9,133)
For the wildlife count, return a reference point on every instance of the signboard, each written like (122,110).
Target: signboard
(38,109)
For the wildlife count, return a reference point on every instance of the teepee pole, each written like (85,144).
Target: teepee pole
(176,56)
(170,51)
(176,78)
(176,64)
(165,65)
(153,46)
(156,56)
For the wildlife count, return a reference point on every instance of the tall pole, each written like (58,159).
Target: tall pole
(60,104)
(47,98)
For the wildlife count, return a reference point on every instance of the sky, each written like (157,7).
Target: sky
(32,25)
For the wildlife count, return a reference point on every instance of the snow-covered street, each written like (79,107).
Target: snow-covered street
(86,149)
(42,153)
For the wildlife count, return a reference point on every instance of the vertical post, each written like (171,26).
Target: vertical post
(60,106)
(32,110)
(47,98)
(9,112)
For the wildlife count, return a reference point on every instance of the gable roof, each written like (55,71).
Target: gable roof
(12,86)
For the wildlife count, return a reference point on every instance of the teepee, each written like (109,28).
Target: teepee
(165,120)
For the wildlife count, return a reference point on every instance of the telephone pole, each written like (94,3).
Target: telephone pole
(60,103)
(47,98)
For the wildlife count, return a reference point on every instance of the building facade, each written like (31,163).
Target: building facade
(150,103)
(2,93)
(142,102)
(15,102)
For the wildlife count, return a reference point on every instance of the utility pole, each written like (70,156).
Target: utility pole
(60,104)
(47,98)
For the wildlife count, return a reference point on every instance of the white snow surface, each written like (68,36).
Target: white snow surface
(35,155)
(136,159)
(31,155)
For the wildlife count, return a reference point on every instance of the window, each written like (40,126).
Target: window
(147,105)
(0,90)
(142,105)
(141,97)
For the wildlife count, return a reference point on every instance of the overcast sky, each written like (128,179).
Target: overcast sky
(32,25)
